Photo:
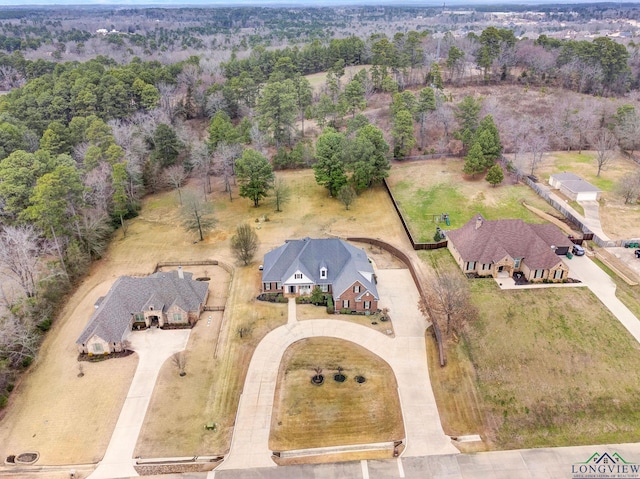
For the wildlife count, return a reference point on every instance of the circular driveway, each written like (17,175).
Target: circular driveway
(406,354)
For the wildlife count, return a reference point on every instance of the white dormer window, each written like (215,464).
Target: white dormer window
(298,276)
(356,288)
(323,273)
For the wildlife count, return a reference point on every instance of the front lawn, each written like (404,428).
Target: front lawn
(553,367)
(334,413)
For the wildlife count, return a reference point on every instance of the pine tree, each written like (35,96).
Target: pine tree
(495,175)
(474,161)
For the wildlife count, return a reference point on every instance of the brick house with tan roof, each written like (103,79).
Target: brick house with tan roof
(504,247)
(162,299)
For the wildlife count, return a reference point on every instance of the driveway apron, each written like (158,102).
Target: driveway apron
(154,347)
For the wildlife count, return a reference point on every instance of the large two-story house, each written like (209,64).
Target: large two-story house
(333,265)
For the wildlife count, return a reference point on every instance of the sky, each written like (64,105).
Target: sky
(298,3)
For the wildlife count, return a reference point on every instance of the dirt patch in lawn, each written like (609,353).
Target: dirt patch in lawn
(335,413)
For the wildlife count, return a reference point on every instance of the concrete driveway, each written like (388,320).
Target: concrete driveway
(406,354)
(604,288)
(153,346)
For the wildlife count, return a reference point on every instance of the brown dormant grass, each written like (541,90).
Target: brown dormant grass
(70,419)
(307,416)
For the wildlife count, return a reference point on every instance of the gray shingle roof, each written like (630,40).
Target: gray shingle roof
(574,183)
(345,263)
(111,321)
(494,240)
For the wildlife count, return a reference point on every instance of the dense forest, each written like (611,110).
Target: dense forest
(91,122)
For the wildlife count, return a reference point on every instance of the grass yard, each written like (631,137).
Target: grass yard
(307,416)
(428,188)
(209,391)
(70,420)
(629,295)
(554,368)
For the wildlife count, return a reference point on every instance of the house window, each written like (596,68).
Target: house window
(267,286)
(345,303)
(471,265)
(97,348)
(356,288)
(538,273)
(486,266)
(516,262)
(367,305)
(139,317)
(177,316)
(557,274)
(324,288)
(298,276)
(278,285)
(323,273)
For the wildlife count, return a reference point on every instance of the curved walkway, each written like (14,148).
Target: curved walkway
(406,354)
(154,347)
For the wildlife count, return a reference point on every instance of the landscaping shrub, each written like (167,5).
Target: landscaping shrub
(330,308)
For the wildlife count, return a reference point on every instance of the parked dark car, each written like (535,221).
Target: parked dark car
(637,253)
(578,250)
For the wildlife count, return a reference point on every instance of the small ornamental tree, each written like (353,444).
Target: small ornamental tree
(495,175)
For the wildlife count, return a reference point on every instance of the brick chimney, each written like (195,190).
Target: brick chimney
(478,222)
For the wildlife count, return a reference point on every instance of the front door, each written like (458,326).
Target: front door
(292,289)
(500,269)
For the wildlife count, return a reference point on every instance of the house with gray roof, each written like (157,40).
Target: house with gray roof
(333,265)
(574,187)
(503,247)
(162,299)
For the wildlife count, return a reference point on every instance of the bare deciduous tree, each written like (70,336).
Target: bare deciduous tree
(629,187)
(179,360)
(197,215)
(175,176)
(281,193)
(448,299)
(605,143)
(244,243)
(224,161)
(536,146)
(20,257)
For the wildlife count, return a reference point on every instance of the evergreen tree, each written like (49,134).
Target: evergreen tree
(255,175)
(402,132)
(495,175)
(330,166)
(474,161)
(467,114)
(489,138)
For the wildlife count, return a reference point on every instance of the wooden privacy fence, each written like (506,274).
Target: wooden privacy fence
(415,245)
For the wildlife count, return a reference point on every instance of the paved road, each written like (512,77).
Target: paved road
(153,346)
(548,463)
(405,353)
